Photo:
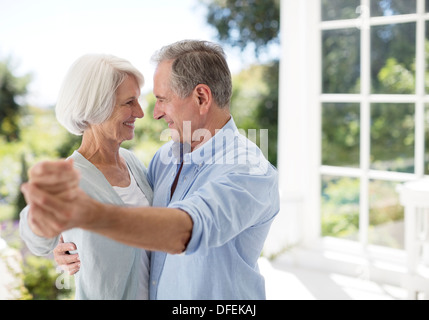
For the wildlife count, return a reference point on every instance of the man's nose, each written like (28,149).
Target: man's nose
(158,111)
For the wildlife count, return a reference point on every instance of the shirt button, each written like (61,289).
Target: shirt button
(154,283)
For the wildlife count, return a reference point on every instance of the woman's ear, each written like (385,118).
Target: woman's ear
(204,97)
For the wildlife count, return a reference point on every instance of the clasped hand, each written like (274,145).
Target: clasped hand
(51,193)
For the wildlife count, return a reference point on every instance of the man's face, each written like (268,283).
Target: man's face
(174,110)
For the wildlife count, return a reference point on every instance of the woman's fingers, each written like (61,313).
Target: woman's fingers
(68,262)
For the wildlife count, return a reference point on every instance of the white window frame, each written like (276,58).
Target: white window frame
(299,141)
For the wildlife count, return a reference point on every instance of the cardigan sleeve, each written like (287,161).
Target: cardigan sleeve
(37,245)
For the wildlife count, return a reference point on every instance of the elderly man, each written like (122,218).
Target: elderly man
(215,195)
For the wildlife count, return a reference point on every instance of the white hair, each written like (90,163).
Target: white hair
(88,92)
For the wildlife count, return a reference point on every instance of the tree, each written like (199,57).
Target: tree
(11,88)
(244,23)
(241,23)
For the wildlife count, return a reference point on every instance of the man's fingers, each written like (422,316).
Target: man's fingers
(40,223)
(54,174)
(58,188)
(48,214)
(50,167)
(48,202)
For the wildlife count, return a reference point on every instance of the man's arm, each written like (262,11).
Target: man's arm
(161,229)
(152,228)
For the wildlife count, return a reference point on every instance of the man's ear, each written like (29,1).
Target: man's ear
(204,96)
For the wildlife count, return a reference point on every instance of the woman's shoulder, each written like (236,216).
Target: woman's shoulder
(131,158)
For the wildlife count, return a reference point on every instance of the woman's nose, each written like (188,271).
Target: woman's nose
(138,112)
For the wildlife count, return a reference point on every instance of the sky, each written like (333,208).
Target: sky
(44,37)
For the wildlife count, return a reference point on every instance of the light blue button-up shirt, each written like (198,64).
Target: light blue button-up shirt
(231,193)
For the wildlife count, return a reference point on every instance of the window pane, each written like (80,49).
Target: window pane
(341,61)
(427,55)
(386,215)
(393,58)
(392,7)
(340,207)
(339,9)
(427,139)
(392,137)
(340,134)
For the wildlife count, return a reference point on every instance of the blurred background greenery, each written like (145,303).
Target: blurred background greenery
(29,134)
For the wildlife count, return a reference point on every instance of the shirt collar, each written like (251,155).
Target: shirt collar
(209,150)
(214,147)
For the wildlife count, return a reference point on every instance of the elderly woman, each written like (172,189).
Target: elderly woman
(99,100)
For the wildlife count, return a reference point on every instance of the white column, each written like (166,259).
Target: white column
(299,124)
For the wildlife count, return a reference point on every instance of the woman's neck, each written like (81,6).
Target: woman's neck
(98,150)
(104,154)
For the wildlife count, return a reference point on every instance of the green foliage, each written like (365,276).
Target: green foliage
(339,9)
(40,278)
(20,200)
(70,143)
(340,134)
(240,23)
(395,78)
(341,61)
(340,207)
(11,89)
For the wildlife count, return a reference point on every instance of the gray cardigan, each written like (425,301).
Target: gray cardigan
(109,269)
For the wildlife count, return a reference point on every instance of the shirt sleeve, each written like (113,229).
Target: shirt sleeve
(222,208)
(38,245)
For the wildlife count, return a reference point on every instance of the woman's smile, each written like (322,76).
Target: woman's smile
(130,124)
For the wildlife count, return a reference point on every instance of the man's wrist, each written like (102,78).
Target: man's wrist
(94,215)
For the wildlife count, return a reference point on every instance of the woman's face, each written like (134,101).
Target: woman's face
(120,126)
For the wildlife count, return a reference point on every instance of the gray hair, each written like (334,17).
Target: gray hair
(88,92)
(198,62)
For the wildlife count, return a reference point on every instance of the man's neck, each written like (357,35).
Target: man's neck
(202,135)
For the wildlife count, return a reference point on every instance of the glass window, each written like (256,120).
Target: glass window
(392,7)
(393,52)
(340,134)
(341,60)
(427,56)
(340,207)
(427,139)
(339,9)
(392,137)
(385,134)
(386,215)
